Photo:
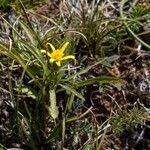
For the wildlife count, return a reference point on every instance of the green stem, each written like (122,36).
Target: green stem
(128,28)
(53,109)
(29,23)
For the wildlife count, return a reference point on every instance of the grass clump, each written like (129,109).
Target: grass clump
(127,120)
(14,3)
(137,17)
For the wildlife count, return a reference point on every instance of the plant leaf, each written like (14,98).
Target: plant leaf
(101,79)
(29,33)
(68,88)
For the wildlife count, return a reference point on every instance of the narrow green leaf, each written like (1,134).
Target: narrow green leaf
(107,62)
(55,133)
(101,61)
(4,49)
(68,88)
(101,79)
(87,146)
(26,90)
(29,33)
(2,147)
(63,129)
(72,119)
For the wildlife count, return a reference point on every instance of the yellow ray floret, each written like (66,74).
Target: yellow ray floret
(57,55)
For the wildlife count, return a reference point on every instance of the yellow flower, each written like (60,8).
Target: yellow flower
(57,55)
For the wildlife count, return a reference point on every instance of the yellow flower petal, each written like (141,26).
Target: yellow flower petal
(52,47)
(51,60)
(43,51)
(58,63)
(57,54)
(68,57)
(49,54)
(62,49)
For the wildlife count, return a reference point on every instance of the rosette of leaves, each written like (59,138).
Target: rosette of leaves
(138,17)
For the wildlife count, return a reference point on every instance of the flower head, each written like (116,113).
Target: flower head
(57,55)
